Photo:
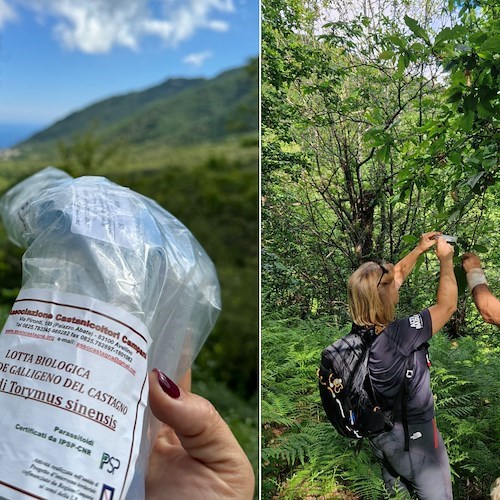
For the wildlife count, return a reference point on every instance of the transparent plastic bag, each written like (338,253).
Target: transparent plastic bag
(89,237)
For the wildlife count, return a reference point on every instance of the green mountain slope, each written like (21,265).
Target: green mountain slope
(178,112)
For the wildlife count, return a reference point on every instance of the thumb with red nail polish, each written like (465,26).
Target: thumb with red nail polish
(195,454)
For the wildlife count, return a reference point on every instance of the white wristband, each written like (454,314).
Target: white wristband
(476,277)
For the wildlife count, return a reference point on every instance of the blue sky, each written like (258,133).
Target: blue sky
(58,56)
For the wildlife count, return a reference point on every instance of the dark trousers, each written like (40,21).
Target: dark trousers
(424,470)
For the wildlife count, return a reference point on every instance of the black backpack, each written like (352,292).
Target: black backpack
(346,390)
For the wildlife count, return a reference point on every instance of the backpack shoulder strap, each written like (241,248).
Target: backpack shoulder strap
(405,390)
(401,398)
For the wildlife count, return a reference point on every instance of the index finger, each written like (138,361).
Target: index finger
(199,427)
(444,245)
(432,234)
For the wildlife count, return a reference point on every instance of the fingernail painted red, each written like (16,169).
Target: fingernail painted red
(167,385)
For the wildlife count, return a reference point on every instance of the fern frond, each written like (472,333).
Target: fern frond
(364,479)
(304,457)
(290,448)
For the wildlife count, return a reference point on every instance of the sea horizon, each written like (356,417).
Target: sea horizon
(14,133)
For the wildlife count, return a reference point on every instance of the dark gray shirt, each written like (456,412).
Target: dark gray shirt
(387,364)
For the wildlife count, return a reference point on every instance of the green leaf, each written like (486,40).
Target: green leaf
(383,154)
(396,40)
(453,217)
(456,96)
(485,55)
(456,157)
(386,54)
(458,81)
(417,47)
(470,103)
(467,121)
(410,239)
(479,248)
(491,45)
(478,38)
(375,136)
(401,66)
(449,34)
(472,181)
(416,28)
(450,65)
(444,35)
(484,112)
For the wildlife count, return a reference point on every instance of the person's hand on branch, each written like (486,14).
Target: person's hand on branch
(427,240)
(444,250)
(470,261)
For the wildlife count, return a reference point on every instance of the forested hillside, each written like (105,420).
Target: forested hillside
(208,181)
(379,123)
(175,113)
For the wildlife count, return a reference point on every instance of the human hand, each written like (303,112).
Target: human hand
(444,250)
(470,261)
(195,455)
(427,240)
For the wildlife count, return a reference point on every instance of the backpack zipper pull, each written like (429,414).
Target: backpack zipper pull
(337,385)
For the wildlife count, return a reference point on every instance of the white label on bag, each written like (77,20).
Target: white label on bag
(105,215)
(73,388)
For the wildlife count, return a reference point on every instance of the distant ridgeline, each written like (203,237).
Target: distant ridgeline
(177,112)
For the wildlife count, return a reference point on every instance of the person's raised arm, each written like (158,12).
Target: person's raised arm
(487,304)
(447,294)
(404,267)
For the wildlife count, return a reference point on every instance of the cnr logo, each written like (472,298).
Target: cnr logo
(111,462)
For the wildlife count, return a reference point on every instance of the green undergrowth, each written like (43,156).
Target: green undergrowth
(304,457)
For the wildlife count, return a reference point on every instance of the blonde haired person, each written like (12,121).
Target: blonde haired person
(373,293)
(495,490)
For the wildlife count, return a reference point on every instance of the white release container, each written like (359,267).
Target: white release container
(113,286)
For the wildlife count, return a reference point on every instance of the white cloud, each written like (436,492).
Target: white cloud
(197,59)
(96,26)
(218,25)
(6,13)
(186,16)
